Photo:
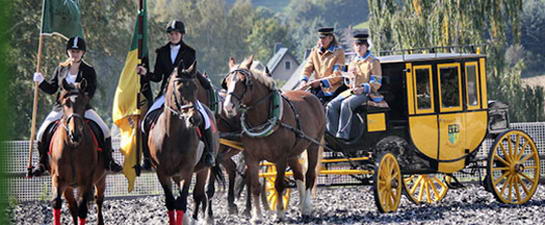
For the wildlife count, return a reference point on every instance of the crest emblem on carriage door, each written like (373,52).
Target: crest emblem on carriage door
(453,133)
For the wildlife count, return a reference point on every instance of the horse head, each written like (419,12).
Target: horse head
(180,97)
(239,85)
(74,102)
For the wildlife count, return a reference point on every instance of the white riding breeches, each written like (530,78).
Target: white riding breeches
(161,101)
(56,115)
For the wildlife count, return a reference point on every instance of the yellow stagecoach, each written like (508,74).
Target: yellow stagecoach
(437,117)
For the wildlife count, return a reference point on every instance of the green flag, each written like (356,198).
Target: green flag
(61,17)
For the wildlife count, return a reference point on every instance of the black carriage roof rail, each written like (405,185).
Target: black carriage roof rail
(474,48)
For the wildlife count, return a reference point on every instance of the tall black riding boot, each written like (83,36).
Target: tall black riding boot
(208,154)
(43,163)
(110,163)
(146,165)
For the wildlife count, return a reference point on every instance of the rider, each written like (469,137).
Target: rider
(168,57)
(326,61)
(365,78)
(73,70)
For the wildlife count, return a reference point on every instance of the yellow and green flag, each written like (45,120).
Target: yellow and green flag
(125,109)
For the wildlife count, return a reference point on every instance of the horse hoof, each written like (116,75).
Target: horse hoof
(247,213)
(233,210)
(280,215)
(210,221)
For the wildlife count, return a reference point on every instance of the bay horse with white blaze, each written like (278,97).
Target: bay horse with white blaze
(176,149)
(277,128)
(75,160)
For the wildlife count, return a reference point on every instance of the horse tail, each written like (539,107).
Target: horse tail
(217,174)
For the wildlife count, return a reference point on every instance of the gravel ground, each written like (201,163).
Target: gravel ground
(341,205)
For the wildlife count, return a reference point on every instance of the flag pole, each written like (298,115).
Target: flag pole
(139,143)
(34,110)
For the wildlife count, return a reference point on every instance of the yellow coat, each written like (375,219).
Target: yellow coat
(323,65)
(361,72)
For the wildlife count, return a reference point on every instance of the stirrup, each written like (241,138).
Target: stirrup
(114,167)
(39,170)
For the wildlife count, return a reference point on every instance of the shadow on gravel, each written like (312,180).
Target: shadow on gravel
(423,213)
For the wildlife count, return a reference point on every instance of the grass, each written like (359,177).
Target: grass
(362,25)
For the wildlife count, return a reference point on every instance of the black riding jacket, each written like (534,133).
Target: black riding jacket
(52,85)
(164,65)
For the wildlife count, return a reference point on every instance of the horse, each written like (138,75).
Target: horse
(175,147)
(74,158)
(300,125)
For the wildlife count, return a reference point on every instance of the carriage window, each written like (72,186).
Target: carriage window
(449,81)
(424,95)
(472,84)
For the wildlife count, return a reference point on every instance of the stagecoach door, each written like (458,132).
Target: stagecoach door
(421,107)
(451,118)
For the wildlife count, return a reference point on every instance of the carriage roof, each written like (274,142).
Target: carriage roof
(426,57)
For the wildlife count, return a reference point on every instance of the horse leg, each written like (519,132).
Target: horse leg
(210,191)
(248,210)
(99,198)
(166,184)
(183,182)
(253,178)
(199,196)
(56,203)
(279,185)
(230,167)
(299,180)
(72,205)
(314,155)
(83,200)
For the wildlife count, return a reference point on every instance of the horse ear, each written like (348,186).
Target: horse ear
(83,84)
(192,69)
(65,85)
(248,62)
(232,63)
(267,71)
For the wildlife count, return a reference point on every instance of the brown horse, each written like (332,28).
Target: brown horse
(75,160)
(252,93)
(176,149)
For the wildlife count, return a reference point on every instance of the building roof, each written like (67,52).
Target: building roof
(277,57)
(534,81)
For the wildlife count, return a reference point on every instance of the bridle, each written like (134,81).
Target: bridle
(247,86)
(179,109)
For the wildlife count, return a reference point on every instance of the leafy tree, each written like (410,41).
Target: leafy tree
(533,36)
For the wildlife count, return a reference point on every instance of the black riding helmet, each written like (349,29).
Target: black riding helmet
(175,25)
(76,43)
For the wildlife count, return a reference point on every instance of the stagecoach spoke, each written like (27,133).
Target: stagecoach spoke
(515,185)
(522,150)
(527,177)
(501,177)
(523,160)
(500,168)
(510,188)
(504,186)
(510,149)
(524,188)
(501,160)
(502,148)
(416,184)
(435,191)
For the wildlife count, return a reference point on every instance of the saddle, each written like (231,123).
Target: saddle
(97,135)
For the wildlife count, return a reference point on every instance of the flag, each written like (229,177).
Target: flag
(125,107)
(61,17)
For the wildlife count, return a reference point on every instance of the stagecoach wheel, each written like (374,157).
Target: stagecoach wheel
(387,183)
(426,188)
(513,167)
(270,191)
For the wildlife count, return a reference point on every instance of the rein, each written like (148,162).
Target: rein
(68,118)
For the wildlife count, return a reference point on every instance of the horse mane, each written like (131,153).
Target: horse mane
(262,77)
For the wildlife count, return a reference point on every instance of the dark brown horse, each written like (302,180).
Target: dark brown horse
(75,160)
(176,149)
(253,93)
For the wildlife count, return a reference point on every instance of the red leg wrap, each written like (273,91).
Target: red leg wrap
(179,217)
(81,221)
(57,216)
(171,217)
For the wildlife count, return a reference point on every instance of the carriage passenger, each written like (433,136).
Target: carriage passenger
(175,52)
(326,61)
(73,70)
(364,80)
